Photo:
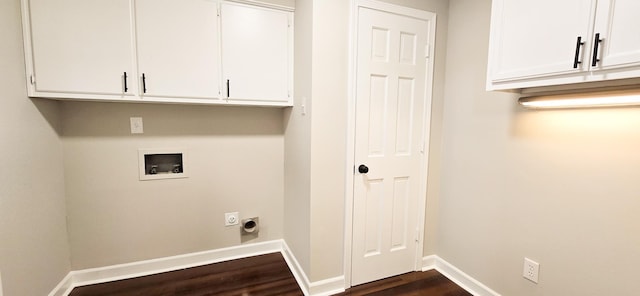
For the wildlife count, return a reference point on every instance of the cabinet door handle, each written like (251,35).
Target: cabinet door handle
(576,58)
(596,45)
(144,84)
(124,77)
(228,89)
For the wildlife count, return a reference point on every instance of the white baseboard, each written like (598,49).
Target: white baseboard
(462,279)
(296,269)
(91,276)
(63,288)
(320,288)
(327,287)
(142,268)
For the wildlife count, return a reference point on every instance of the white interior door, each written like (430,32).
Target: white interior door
(391,99)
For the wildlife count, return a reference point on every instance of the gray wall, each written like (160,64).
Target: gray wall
(34,252)
(235,163)
(559,187)
(297,154)
(315,155)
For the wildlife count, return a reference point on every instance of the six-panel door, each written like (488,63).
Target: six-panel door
(390,109)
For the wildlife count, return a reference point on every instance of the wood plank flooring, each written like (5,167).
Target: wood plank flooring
(427,283)
(260,275)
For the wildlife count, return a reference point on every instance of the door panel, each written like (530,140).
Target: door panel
(529,41)
(178,48)
(255,53)
(390,104)
(82,47)
(620,41)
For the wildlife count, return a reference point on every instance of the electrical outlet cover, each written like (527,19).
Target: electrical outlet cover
(231,219)
(530,270)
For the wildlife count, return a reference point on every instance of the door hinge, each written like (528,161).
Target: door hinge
(218,11)
(33,82)
(417,235)
(423,147)
(426,51)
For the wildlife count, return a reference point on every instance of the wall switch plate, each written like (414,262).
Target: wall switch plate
(231,219)
(531,269)
(136,125)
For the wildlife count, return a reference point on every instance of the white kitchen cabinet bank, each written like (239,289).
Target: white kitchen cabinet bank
(548,42)
(170,51)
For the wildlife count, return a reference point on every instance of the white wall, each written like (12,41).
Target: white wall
(34,252)
(328,136)
(559,187)
(297,172)
(235,163)
(315,142)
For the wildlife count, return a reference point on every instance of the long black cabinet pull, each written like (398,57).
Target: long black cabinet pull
(126,89)
(576,58)
(228,89)
(596,45)
(144,84)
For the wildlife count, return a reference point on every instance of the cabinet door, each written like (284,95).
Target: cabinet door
(617,24)
(532,39)
(178,49)
(256,54)
(82,47)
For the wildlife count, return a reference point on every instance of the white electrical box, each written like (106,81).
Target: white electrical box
(155,164)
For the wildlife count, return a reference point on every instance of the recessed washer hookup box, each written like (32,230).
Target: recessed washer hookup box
(155,164)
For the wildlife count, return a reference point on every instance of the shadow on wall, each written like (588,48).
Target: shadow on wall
(98,119)
(50,111)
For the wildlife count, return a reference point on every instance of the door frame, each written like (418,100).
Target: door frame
(351,126)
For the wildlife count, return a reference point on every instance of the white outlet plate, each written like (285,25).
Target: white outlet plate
(530,270)
(231,219)
(136,125)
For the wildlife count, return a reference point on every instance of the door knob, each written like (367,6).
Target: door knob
(363,169)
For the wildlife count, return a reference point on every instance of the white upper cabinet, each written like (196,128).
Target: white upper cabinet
(617,25)
(174,51)
(549,42)
(178,52)
(529,40)
(256,54)
(79,47)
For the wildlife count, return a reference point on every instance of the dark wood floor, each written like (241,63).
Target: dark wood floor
(427,283)
(260,275)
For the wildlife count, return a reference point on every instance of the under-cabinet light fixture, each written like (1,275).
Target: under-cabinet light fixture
(583,100)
